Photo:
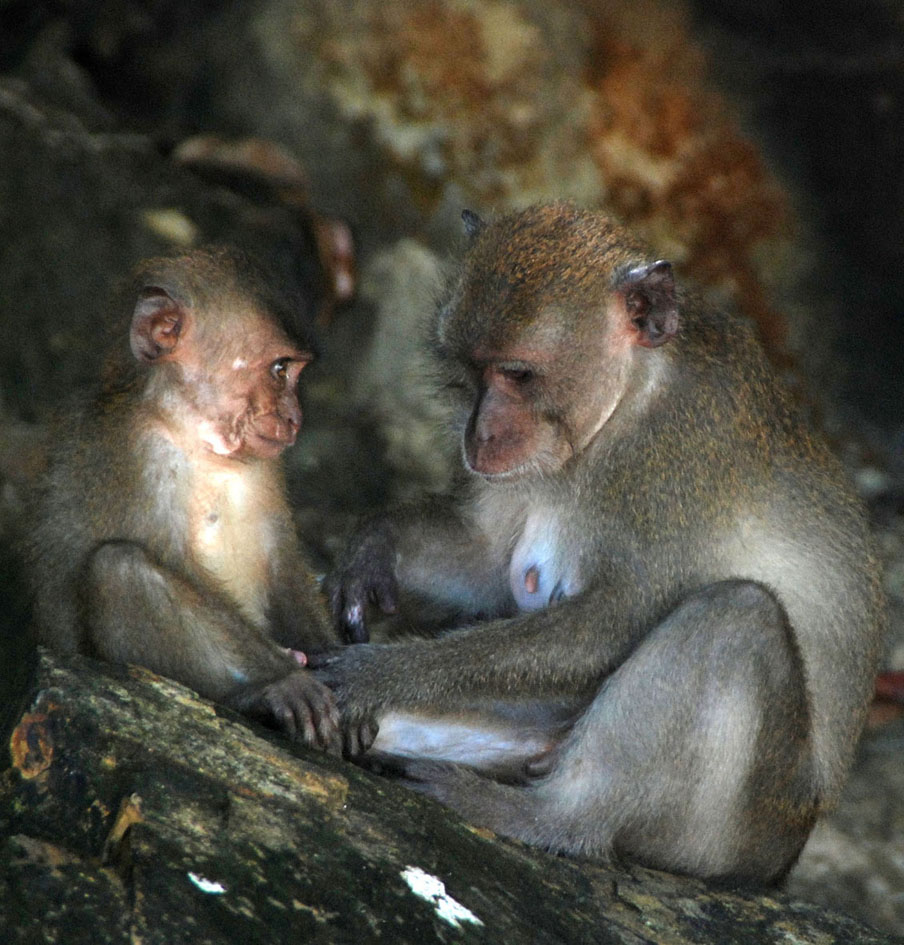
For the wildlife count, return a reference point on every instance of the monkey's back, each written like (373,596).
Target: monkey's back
(73,507)
(785,515)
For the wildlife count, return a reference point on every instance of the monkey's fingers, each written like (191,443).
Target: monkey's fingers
(284,718)
(328,724)
(308,724)
(305,726)
(282,701)
(317,715)
(348,604)
(385,594)
(305,710)
(351,591)
(347,598)
(359,736)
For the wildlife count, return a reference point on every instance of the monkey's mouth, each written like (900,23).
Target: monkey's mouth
(268,446)
(510,468)
(490,474)
(268,436)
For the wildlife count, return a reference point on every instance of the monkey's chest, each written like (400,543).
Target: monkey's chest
(231,541)
(543,567)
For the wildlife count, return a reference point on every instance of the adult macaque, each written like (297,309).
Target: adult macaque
(162,535)
(675,610)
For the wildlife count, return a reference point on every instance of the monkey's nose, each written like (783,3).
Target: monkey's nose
(293,418)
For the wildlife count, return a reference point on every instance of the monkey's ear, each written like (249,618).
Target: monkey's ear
(649,297)
(473,223)
(156,324)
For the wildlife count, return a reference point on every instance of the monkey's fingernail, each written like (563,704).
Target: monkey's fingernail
(354,624)
(532,579)
(354,615)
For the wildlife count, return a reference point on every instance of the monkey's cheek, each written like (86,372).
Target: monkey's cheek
(216,441)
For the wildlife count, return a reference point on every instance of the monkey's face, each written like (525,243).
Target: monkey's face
(249,405)
(214,357)
(532,409)
(550,322)
(531,389)
(235,390)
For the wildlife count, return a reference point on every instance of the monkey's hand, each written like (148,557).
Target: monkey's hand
(367,576)
(299,704)
(346,671)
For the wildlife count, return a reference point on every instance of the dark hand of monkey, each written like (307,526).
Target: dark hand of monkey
(368,578)
(360,729)
(300,706)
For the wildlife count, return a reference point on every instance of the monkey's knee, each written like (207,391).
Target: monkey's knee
(740,600)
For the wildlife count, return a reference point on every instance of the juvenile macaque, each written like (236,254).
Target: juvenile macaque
(162,535)
(674,611)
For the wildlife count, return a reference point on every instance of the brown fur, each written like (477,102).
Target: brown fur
(161,534)
(663,572)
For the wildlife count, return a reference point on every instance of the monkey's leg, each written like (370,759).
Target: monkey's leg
(694,755)
(141,612)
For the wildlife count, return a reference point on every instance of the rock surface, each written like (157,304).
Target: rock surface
(132,811)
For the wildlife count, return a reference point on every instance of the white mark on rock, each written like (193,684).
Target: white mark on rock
(207,885)
(434,890)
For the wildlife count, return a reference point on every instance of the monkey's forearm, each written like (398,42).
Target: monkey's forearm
(539,655)
(297,611)
(445,558)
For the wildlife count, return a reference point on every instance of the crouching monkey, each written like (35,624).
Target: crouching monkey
(671,610)
(161,534)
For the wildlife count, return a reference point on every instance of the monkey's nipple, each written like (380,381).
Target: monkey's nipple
(532,579)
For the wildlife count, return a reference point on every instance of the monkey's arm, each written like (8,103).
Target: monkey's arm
(427,551)
(139,611)
(567,647)
(297,610)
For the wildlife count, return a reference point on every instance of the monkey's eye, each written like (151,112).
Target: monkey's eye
(280,369)
(517,375)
